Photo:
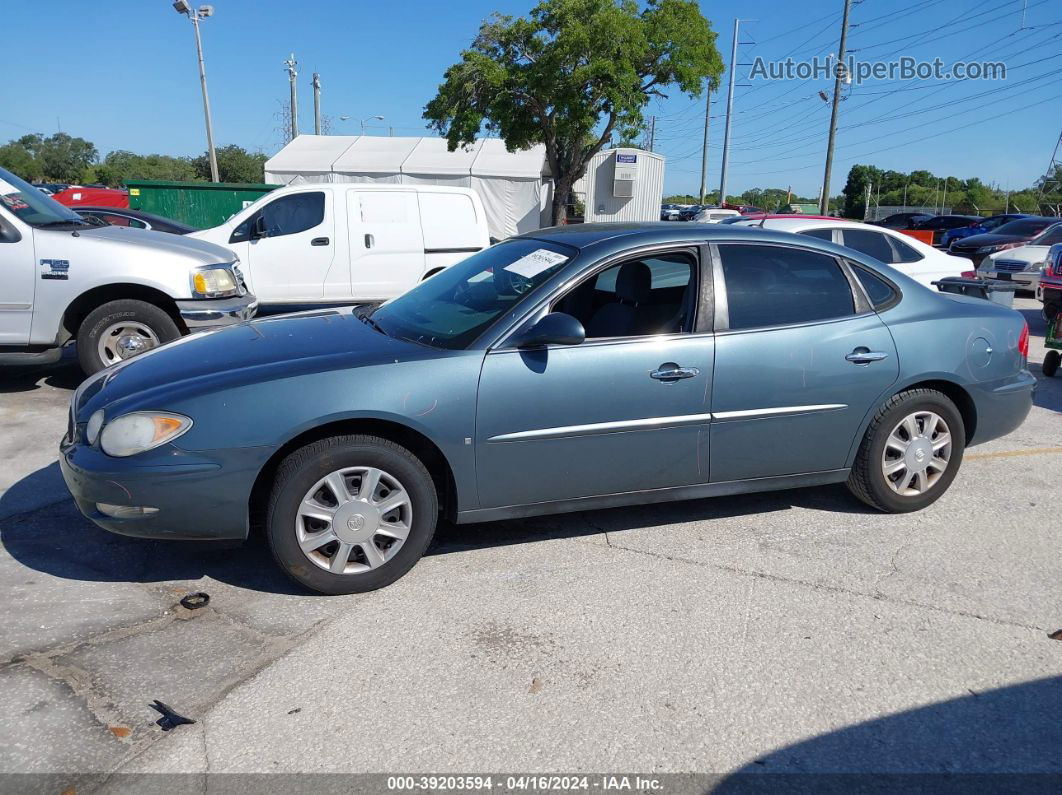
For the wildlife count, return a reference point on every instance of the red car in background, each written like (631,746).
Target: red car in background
(94,197)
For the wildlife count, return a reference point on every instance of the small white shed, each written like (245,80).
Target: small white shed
(624,185)
(515,187)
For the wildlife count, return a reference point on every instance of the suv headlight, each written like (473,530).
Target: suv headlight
(141,430)
(214,281)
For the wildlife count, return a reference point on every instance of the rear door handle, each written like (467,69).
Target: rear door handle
(865,356)
(369,240)
(669,371)
(319,241)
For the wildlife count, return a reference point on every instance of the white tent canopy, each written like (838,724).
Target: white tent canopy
(514,186)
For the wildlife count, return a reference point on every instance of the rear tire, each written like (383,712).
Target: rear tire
(329,523)
(1051,361)
(911,452)
(101,341)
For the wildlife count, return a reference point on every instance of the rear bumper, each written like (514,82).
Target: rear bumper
(1002,407)
(1031,280)
(197,495)
(209,312)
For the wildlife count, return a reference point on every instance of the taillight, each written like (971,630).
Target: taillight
(1023,341)
(969,274)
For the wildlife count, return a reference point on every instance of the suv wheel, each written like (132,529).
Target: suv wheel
(911,452)
(351,514)
(119,330)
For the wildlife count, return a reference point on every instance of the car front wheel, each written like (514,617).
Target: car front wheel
(910,453)
(351,514)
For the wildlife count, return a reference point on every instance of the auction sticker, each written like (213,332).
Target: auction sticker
(534,263)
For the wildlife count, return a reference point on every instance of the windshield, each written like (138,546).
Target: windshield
(452,308)
(1024,228)
(31,206)
(1049,237)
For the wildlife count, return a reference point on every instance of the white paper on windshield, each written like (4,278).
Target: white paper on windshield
(534,263)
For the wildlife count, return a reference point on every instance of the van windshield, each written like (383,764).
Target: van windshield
(31,206)
(452,308)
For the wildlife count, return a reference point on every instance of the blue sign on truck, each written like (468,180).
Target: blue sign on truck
(626,158)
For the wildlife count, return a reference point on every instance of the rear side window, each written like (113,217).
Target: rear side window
(821,234)
(779,285)
(901,251)
(873,244)
(880,292)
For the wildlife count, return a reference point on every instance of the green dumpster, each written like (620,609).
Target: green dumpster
(199,204)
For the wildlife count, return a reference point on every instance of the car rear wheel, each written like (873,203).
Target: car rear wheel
(911,452)
(351,514)
(119,330)
(1051,362)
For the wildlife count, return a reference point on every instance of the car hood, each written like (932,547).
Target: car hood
(1022,254)
(989,239)
(253,352)
(153,242)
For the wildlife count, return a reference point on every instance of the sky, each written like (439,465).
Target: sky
(123,74)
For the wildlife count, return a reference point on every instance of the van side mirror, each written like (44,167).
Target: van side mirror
(258,228)
(556,328)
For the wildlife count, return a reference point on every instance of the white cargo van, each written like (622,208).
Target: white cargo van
(335,242)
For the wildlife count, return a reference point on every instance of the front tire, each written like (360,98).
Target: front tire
(911,452)
(351,514)
(119,330)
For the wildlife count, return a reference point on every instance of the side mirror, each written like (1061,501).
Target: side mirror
(556,328)
(258,228)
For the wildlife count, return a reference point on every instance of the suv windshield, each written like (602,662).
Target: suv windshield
(452,308)
(1024,228)
(31,206)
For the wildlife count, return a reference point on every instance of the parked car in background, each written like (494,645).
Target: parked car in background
(353,430)
(1024,263)
(901,220)
(92,197)
(1010,235)
(50,187)
(939,224)
(689,213)
(118,292)
(670,212)
(919,261)
(333,243)
(713,215)
(979,227)
(135,219)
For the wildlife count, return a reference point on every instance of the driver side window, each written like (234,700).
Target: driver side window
(287,215)
(649,295)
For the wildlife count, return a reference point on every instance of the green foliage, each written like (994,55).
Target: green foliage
(570,74)
(18,160)
(119,166)
(59,157)
(235,164)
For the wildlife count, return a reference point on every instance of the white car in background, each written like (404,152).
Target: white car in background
(921,262)
(1024,263)
(713,215)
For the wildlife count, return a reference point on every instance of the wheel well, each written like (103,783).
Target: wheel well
(85,303)
(417,443)
(960,397)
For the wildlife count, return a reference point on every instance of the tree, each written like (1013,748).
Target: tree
(61,157)
(119,166)
(20,161)
(569,75)
(235,164)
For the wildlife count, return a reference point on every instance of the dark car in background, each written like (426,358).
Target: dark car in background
(116,216)
(939,224)
(989,224)
(1010,235)
(901,220)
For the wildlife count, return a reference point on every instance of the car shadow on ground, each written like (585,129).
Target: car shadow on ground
(64,374)
(1002,740)
(56,539)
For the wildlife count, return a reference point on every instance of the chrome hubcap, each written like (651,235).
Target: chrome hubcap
(916,453)
(353,520)
(124,339)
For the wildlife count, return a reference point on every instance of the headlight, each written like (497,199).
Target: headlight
(986,249)
(142,430)
(214,281)
(1034,267)
(92,430)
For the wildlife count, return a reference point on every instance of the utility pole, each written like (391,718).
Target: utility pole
(651,136)
(729,114)
(316,104)
(183,7)
(944,199)
(1052,169)
(290,64)
(824,202)
(704,149)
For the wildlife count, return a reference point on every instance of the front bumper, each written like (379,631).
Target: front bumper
(202,495)
(207,313)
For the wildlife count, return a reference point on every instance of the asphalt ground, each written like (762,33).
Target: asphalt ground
(790,632)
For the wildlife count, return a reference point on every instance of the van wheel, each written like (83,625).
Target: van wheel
(119,330)
(350,514)
(911,452)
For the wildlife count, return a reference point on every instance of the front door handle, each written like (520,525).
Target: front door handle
(865,356)
(669,371)
(319,241)
(368,241)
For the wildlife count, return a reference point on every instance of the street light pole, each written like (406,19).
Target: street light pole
(369,118)
(824,201)
(182,7)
